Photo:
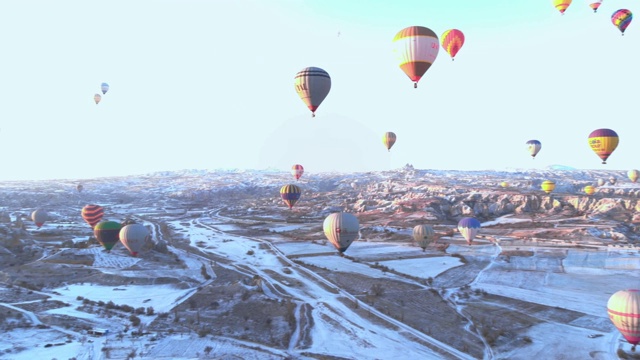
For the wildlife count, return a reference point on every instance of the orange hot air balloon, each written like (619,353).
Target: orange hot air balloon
(633,175)
(548,186)
(589,190)
(388,139)
(452,41)
(594,4)
(416,48)
(623,308)
(603,142)
(561,5)
(297,170)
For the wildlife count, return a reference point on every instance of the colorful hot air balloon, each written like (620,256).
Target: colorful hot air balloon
(133,237)
(533,146)
(417,48)
(561,5)
(341,229)
(107,233)
(423,235)
(290,194)
(388,139)
(589,190)
(548,186)
(603,142)
(97,98)
(623,308)
(92,214)
(104,87)
(469,228)
(452,41)
(39,216)
(621,19)
(633,175)
(594,4)
(297,170)
(312,85)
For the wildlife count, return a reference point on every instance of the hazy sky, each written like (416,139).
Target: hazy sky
(209,84)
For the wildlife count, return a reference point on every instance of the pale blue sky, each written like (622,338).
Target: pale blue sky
(209,84)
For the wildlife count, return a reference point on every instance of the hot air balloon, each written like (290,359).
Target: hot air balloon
(601,182)
(621,19)
(452,41)
(79,187)
(97,98)
(133,237)
(290,194)
(104,87)
(469,227)
(633,175)
(589,190)
(561,5)
(623,308)
(92,214)
(417,48)
(39,216)
(107,233)
(594,4)
(533,146)
(603,142)
(388,139)
(612,180)
(504,184)
(423,235)
(312,85)
(548,186)
(297,170)
(341,229)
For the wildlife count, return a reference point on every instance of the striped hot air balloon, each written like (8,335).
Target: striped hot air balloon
(452,41)
(92,214)
(104,87)
(533,147)
(623,308)
(107,233)
(312,85)
(594,4)
(423,235)
(469,227)
(416,48)
(548,186)
(39,216)
(297,170)
(561,5)
(633,175)
(388,139)
(621,19)
(290,194)
(341,229)
(603,142)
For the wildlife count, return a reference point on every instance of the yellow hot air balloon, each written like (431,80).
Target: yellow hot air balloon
(561,5)
(603,142)
(623,308)
(97,98)
(504,184)
(416,48)
(589,190)
(341,229)
(548,186)
(290,194)
(388,139)
(423,235)
(633,175)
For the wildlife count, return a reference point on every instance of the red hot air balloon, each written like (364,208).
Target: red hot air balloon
(452,41)
(297,170)
(623,308)
(92,214)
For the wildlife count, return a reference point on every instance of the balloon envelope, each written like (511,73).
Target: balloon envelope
(548,186)
(423,235)
(107,233)
(92,214)
(297,170)
(621,19)
(416,48)
(603,142)
(594,4)
(504,184)
(561,5)
(97,98)
(469,227)
(623,308)
(388,139)
(452,41)
(290,194)
(39,216)
(133,237)
(312,85)
(633,175)
(533,147)
(341,229)
(79,187)
(104,87)
(589,190)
